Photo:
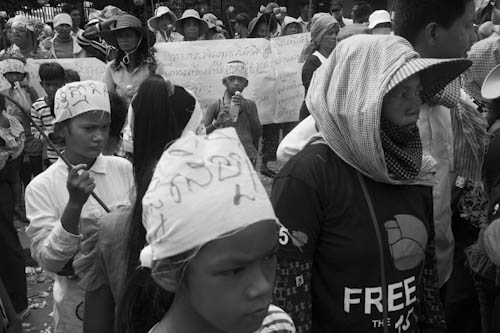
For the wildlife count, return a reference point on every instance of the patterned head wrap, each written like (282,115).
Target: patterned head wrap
(346,93)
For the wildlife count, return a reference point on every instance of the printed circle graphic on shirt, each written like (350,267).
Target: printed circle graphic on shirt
(407,237)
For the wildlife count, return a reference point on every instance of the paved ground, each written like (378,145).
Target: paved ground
(40,282)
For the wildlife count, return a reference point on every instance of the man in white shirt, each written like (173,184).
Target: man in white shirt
(58,201)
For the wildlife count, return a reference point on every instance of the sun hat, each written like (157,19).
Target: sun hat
(347,92)
(191,13)
(268,18)
(203,188)
(491,84)
(291,20)
(23,21)
(76,98)
(159,12)
(211,20)
(379,17)
(127,21)
(62,18)
(11,64)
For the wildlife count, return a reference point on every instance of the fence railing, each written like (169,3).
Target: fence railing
(47,12)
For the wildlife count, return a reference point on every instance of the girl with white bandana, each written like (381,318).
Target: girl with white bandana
(212,238)
(357,200)
(58,203)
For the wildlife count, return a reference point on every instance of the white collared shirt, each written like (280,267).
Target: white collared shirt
(51,245)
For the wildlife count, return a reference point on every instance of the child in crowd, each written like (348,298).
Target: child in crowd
(247,123)
(220,278)
(163,25)
(291,26)
(58,201)
(52,77)
(191,26)
(12,261)
(30,163)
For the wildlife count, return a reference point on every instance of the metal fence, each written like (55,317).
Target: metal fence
(47,12)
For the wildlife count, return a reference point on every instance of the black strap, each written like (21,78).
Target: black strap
(383,278)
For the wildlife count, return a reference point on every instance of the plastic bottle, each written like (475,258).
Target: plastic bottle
(234,111)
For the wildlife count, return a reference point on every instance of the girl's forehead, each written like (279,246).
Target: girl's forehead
(93,116)
(242,246)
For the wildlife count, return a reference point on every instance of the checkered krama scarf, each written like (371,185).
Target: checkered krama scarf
(346,95)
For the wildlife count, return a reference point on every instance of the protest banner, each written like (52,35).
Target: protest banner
(88,68)
(274,73)
(289,89)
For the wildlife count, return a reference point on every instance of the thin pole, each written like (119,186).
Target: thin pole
(46,138)
(309,12)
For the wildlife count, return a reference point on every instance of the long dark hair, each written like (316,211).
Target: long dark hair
(158,120)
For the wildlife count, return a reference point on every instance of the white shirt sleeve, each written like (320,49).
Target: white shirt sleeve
(51,245)
(297,139)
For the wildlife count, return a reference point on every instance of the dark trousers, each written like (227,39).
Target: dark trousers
(12,263)
(271,139)
(462,304)
(489,301)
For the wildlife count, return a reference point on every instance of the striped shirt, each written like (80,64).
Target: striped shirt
(277,320)
(43,117)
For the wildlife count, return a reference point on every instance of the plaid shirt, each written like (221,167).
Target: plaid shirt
(485,55)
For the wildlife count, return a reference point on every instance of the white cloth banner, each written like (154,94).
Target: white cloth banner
(88,68)
(274,73)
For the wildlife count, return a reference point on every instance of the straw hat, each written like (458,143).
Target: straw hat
(191,13)
(127,21)
(159,12)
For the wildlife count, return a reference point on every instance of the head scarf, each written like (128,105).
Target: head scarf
(318,30)
(203,188)
(346,94)
(80,97)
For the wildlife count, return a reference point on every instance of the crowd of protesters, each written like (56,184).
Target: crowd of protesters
(384,214)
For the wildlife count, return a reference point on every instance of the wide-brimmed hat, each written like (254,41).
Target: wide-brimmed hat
(127,21)
(159,12)
(191,13)
(379,17)
(491,85)
(291,20)
(23,21)
(211,20)
(268,18)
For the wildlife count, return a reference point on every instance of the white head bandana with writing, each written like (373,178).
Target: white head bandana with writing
(203,188)
(79,97)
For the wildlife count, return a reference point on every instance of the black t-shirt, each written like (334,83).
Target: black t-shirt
(319,199)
